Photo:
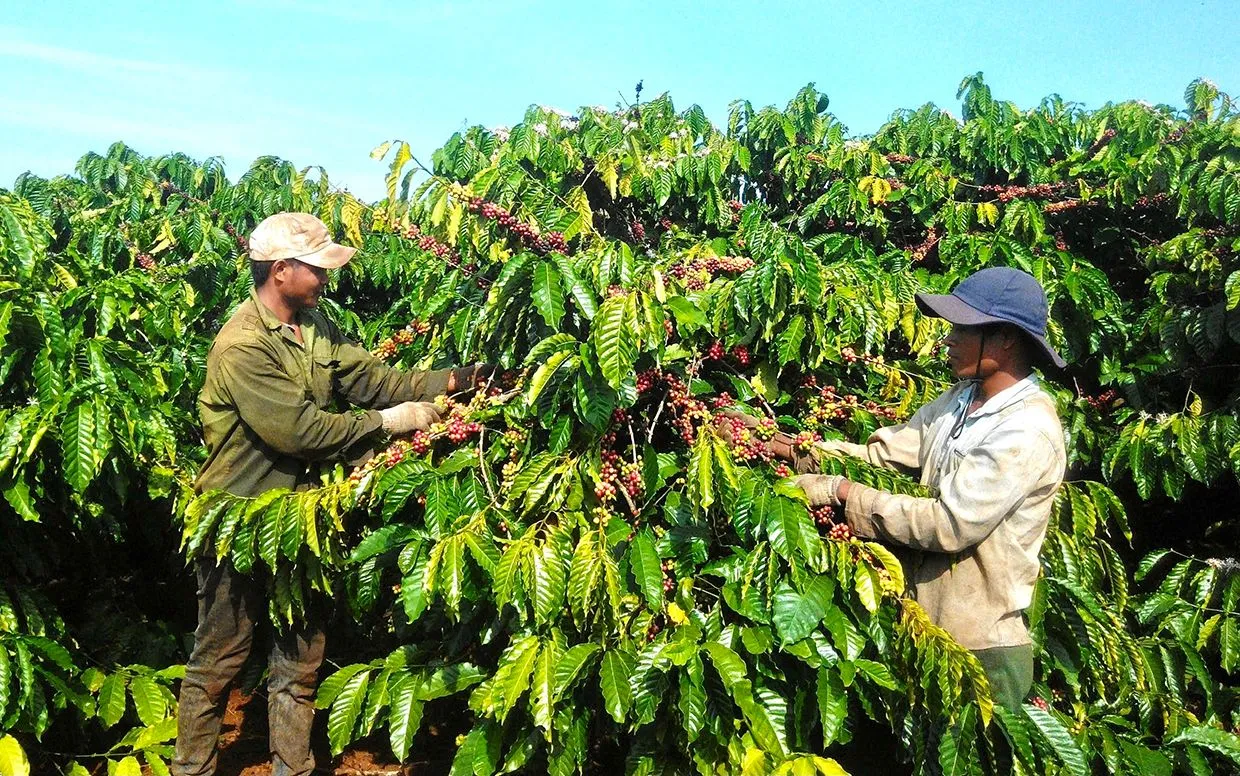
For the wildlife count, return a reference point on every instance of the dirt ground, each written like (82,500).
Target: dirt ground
(243,747)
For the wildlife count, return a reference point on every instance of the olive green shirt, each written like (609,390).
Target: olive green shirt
(269,404)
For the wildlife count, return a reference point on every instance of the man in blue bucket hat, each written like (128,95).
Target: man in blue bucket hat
(991,449)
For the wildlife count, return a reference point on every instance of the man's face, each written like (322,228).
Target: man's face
(964,347)
(301,284)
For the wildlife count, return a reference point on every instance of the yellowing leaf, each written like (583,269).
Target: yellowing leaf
(676,614)
(13,760)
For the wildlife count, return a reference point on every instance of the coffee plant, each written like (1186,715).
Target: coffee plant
(584,565)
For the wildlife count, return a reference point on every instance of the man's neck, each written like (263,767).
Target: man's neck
(281,309)
(1000,381)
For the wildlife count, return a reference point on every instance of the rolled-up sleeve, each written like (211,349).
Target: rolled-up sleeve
(278,409)
(988,482)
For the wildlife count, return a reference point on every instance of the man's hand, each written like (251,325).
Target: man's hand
(409,416)
(822,489)
(467,378)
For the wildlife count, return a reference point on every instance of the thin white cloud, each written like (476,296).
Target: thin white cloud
(16,44)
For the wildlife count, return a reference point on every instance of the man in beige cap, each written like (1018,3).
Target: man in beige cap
(277,375)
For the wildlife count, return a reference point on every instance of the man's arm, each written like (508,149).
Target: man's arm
(990,480)
(368,382)
(276,407)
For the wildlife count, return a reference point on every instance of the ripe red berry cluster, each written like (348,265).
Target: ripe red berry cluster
(669,328)
(1101,142)
(840,532)
(716,351)
(1061,243)
(648,380)
(688,413)
(242,243)
(653,631)
(420,442)
(1040,702)
(459,429)
(900,158)
(1036,191)
(638,231)
(1153,200)
(824,516)
(783,470)
(665,223)
(697,273)
(1174,136)
(605,492)
(669,584)
(742,355)
(1103,401)
(146,262)
(527,233)
(614,291)
(1065,205)
(722,400)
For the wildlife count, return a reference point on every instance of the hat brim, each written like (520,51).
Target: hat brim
(330,256)
(953,309)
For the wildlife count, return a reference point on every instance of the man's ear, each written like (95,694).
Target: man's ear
(280,269)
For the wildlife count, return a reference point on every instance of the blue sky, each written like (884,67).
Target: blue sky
(323,82)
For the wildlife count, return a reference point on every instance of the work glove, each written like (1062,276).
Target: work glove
(409,416)
(468,378)
(780,445)
(822,489)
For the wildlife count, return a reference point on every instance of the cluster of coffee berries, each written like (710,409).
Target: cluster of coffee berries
(895,158)
(742,355)
(716,351)
(242,244)
(722,400)
(637,230)
(631,480)
(1104,401)
(653,630)
(824,516)
(420,442)
(688,413)
(649,379)
(1040,702)
(387,348)
(669,584)
(932,238)
(827,406)
(1061,243)
(669,328)
(614,291)
(1174,136)
(736,208)
(745,445)
(1101,142)
(605,491)
(528,234)
(840,532)
(766,429)
(459,428)
(697,273)
(804,441)
(396,452)
(783,470)
(665,224)
(1153,200)
(1065,205)
(1036,191)
(146,262)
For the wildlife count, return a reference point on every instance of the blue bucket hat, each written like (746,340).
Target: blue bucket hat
(996,295)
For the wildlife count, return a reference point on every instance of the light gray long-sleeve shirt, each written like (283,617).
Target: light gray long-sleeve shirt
(978,539)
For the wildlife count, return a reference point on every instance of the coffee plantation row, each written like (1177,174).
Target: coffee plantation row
(576,564)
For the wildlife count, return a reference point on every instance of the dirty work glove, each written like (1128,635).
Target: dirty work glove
(822,489)
(409,416)
(467,378)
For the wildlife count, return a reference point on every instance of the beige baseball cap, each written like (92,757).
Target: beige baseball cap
(298,236)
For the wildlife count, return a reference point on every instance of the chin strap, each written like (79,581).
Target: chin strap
(975,381)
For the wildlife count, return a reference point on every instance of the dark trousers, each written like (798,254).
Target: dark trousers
(1010,672)
(229,606)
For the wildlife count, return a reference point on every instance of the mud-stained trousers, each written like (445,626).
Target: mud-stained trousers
(229,606)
